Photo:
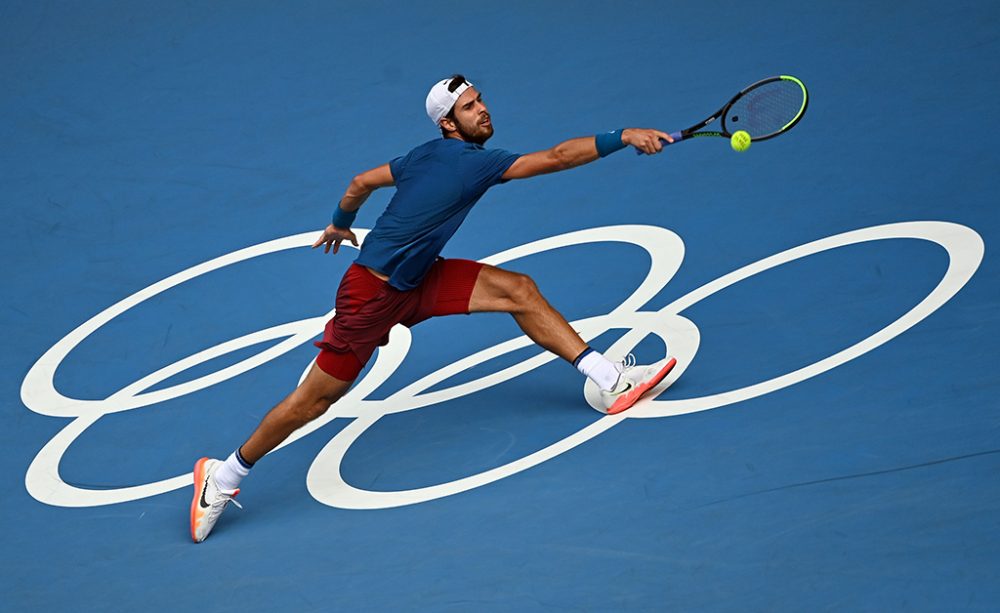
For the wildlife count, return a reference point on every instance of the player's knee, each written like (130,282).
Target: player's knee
(523,290)
(313,408)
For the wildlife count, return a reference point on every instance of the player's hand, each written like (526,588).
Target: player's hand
(333,236)
(645,140)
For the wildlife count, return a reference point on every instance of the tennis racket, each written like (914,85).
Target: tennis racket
(764,110)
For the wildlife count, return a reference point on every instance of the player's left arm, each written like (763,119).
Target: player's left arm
(358,190)
(578,151)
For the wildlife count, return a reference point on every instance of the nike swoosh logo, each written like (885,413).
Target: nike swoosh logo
(204,486)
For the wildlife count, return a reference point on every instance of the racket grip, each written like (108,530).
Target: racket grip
(674,135)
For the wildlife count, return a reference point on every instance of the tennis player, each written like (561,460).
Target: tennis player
(399,278)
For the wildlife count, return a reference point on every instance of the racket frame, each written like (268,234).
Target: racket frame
(693,131)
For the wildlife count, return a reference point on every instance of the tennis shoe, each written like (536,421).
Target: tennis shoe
(209,501)
(633,382)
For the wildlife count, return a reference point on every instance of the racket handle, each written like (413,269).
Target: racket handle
(674,135)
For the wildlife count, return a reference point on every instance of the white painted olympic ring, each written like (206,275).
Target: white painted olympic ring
(964,247)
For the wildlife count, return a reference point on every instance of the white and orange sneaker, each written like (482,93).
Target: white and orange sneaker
(209,501)
(633,382)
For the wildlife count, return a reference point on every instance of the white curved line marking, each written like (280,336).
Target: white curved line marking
(666,250)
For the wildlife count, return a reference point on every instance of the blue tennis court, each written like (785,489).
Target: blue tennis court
(829,441)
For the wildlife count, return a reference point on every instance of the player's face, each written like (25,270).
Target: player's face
(472,118)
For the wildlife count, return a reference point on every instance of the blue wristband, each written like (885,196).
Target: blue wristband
(343,219)
(609,142)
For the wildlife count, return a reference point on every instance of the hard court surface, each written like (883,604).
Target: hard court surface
(832,441)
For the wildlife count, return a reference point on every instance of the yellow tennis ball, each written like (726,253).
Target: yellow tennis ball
(740,141)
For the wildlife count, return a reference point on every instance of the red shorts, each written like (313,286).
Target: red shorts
(367,307)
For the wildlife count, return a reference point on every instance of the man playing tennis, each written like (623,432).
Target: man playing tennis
(398,277)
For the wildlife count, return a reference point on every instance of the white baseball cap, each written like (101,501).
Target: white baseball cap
(440,101)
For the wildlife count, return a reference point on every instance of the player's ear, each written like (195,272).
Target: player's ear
(447,124)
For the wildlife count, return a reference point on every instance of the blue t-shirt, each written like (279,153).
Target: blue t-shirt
(437,184)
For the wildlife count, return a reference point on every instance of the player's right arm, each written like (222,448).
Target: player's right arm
(358,190)
(578,151)
(363,185)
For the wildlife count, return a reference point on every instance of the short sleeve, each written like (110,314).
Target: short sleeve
(490,166)
(397,166)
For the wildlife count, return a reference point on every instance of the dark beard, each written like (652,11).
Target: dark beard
(479,137)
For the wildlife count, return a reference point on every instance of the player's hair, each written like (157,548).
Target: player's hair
(456,81)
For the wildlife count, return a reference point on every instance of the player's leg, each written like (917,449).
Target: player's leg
(621,383)
(502,291)
(216,483)
(308,401)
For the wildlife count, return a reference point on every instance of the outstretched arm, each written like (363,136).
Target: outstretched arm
(357,192)
(578,151)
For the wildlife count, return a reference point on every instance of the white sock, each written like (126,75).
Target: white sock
(600,369)
(232,471)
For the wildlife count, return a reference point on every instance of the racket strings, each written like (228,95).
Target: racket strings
(765,110)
